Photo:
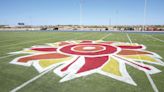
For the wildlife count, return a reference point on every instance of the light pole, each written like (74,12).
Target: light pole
(80,14)
(145,11)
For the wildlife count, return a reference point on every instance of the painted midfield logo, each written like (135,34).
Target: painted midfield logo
(73,59)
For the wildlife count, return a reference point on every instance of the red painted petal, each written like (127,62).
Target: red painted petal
(44,49)
(86,41)
(131,47)
(132,52)
(42,56)
(93,63)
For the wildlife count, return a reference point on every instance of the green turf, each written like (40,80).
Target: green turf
(12,76)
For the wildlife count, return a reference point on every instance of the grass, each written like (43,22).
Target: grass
(12,76)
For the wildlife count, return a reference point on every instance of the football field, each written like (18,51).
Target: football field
(21,78)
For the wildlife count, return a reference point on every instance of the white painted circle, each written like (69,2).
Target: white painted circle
(89,48)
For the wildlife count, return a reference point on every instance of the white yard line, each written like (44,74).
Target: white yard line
(31,80)
(6,56)
(148,75)
(155,38)
(129,38)
(152,82)
(105,36)
(81,36)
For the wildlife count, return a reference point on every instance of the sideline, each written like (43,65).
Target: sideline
(148,75)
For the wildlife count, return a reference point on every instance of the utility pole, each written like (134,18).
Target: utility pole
(109,26)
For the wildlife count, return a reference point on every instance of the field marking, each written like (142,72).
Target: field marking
(148,75)
(105,36)
(31,80)
(80,37)
(129,38)
(156,38)
(6,56)
(152,83)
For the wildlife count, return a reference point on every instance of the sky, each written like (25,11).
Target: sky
(93,12)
